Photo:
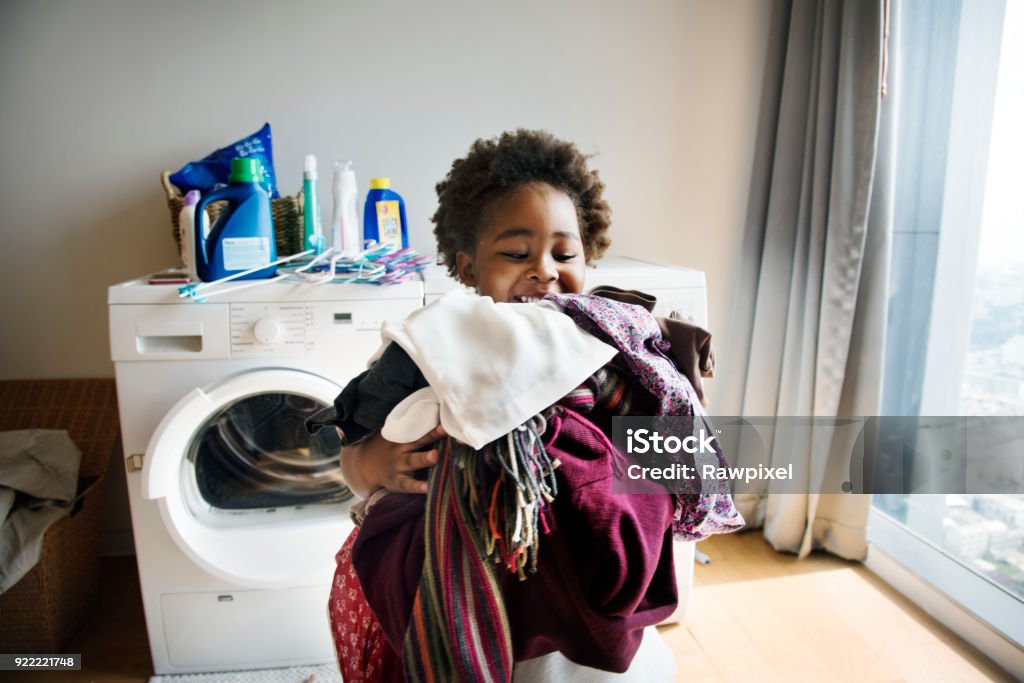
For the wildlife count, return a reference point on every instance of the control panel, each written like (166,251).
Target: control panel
(296,329)
(264,329)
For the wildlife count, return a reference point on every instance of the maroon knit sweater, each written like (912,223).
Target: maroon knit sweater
(605,571)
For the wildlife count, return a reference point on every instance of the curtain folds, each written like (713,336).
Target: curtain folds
(811,306)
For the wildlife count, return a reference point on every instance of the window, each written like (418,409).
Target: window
(957,287)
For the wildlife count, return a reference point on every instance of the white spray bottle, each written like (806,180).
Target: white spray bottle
(186,232)
(345,231)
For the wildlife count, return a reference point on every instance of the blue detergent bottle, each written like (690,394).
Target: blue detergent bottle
(242,237)
(384,215)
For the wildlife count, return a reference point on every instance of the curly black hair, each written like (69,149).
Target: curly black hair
(494,168)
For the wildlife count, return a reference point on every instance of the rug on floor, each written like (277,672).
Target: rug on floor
(323,673)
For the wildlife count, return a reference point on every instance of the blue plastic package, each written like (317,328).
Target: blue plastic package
(211,173)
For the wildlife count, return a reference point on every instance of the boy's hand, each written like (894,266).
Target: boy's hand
(376,463)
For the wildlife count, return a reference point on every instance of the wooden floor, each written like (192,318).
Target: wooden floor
(759,615)
(756,615)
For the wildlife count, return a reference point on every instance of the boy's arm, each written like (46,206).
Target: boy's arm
(375,462)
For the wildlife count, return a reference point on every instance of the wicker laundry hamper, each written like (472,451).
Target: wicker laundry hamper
(287,212)
(41,612)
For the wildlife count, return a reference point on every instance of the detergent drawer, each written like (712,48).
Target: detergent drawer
(161,332)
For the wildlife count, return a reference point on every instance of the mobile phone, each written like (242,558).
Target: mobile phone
(169,277)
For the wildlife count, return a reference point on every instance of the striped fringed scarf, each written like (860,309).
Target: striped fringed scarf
(483,508)
(607,391)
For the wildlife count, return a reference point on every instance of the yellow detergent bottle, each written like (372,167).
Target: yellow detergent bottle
(384,215)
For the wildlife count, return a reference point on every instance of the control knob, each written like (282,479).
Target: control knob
(266,330)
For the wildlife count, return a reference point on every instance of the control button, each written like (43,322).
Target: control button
(266,330)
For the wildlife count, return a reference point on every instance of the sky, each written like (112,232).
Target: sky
(1002,226)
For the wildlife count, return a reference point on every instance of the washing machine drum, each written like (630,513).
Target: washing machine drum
(256,453)
(242,488)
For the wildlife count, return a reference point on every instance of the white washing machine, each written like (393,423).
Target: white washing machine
(677,289)
(236,512)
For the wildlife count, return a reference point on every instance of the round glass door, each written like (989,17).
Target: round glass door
(255,453)
(242,488)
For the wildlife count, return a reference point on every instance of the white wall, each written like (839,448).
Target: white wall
(97,97)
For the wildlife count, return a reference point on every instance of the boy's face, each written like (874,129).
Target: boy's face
(530,246)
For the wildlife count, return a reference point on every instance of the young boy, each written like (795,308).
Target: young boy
(519,219)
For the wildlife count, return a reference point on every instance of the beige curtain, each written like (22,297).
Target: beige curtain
(811,303)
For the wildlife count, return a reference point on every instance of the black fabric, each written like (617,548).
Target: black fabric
(365,402)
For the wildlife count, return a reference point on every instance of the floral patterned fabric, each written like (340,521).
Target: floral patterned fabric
(643,352)
(364,654)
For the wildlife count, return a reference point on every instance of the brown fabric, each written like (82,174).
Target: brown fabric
(691,350)
(691,345)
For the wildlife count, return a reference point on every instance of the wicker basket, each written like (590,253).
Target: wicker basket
(41,612)
(287,212)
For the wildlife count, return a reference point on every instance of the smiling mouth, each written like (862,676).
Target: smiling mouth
(526,299)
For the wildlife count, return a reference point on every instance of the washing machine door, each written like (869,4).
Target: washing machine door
(243,490)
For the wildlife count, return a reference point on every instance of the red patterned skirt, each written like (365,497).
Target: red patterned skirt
(364,654)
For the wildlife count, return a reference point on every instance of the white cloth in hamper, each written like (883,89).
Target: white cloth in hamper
(41,464)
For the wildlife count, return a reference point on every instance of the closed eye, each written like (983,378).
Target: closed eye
(515,255)
(563,258)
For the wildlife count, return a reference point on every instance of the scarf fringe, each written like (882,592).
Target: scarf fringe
(509,486)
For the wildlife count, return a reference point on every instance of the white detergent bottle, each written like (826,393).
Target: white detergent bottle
(345,230)
(186,226)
